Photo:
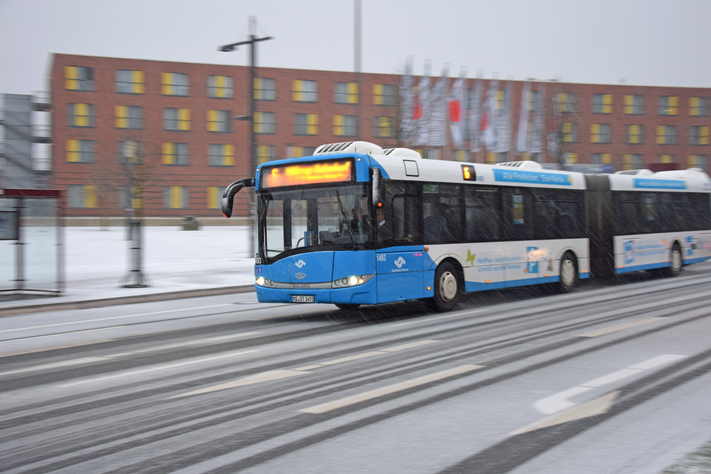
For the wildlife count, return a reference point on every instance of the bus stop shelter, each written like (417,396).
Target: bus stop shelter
(31,254)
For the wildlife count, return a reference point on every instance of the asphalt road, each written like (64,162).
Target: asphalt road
(610,378)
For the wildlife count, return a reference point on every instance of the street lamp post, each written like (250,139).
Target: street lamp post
(250,118)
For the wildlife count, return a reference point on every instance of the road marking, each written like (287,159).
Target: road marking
(249,380)
(409,346)
(184,344)
(559,401)
(365,355)
(594,407)
(69,323)
(380,392)
(446,316)
(53,348)
(161,367)
(621,327)
(54,365)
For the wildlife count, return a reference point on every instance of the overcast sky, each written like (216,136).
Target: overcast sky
(644,42)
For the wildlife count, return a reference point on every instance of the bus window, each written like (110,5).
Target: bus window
(482,214)
(401,215)
(442,211)
(517,217)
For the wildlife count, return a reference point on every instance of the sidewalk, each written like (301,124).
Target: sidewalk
(177,263)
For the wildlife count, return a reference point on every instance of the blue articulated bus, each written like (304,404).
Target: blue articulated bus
(358,225)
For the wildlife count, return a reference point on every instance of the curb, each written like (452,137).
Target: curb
(120,300)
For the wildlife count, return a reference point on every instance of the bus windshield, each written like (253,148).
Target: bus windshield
(322,218)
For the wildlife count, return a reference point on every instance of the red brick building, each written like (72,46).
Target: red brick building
(161,136)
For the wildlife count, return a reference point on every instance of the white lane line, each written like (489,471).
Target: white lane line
(54,365)
(69,323)
(161,367)
(249,380)
(184,344)
(350,358)
(365,355)
(409,346)
(427,320)
(380,392)
(621,327)
(559,401)
(54,348)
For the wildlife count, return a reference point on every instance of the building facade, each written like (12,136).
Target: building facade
(164,138)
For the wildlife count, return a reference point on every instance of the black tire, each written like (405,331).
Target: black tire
(675,261)
(347,306)
(448,288)
(568,273)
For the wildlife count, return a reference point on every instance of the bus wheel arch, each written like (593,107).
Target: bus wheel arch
(568,272)
(448,286)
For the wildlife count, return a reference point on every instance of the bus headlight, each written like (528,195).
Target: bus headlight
(261,281)
(354,280)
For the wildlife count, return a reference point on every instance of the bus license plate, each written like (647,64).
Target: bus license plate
(302,299)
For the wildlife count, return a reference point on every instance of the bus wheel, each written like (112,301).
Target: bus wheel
(568,272)
(448,287)
(675,261)
(346,306)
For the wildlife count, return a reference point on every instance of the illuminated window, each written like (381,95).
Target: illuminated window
(218,120)
(264,89)
(305,124)
(666,158)
(129,82)
(601,159)
(666,135)
(632,161)
(176,119)
(600,133)
(668,105)
(219,87)
(698,161)
(500,99)
(635,134)
(602,103)
(569,131)
(265,153)
(78,78)
(634,105)
(129,117)
(176,197)
(81,196)
(304,91)
(345,93)
(299,151)
(175,154)
(214,195)
(568,102)
(383,127)
(81,115)
(698,107)
(265,123)
(383,94)
(344,125)
(699,135)
(220,155)
(80,151)
(173,83)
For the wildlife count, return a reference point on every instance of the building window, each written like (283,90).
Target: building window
(265,153)
(568,102)
(218,120)
(80,151)
(305,124)
(129,117)
(668,105)
(176,197)
(383,127)
(570,132)
(570,158)
(129,152)
(175,154)
(174,83)
(299,151)
(264,123)
(666,158)
(666,135)
(81,115)
(129,82)
(532,101)
(176,119)
(344,125)
(602,103)
(461,155)
(214,195)
(383,94)
(699,135)
(634,105)
(220,155)
(698,161)
(635,134)
(78,78)
(304,91)
(345,93)
(130,197)
(698,107)
(632,161)
(219,87)
(600,133)
(601,159)
(264,89)
(81,196)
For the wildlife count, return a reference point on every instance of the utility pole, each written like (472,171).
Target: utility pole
(357,65)
(250,118)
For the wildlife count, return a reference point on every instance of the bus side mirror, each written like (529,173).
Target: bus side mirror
(228,196)
(379,189)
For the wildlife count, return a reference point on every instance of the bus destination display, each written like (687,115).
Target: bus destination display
(337,171)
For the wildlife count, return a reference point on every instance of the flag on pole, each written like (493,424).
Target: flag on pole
(537,139)
(488,121)
(457,104)
(421,110)
(503,120)
(475,118)
(438,117)
(407,100)
(521,142)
